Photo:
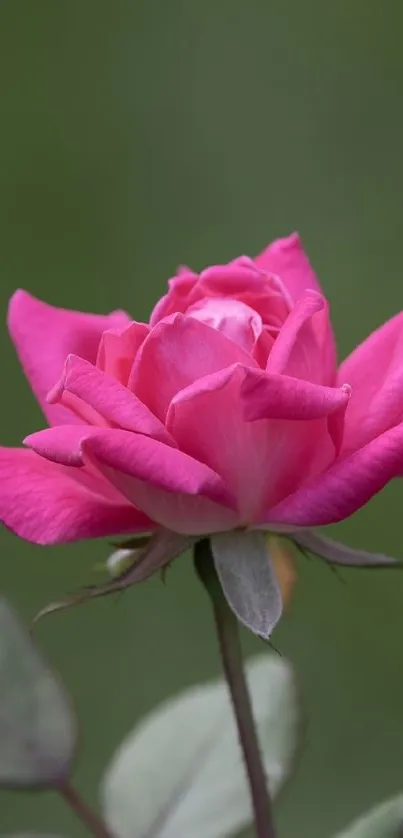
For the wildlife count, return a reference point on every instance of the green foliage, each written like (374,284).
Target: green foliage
(384,821)
(37,727)
(180,772)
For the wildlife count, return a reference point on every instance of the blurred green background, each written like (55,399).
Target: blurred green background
(136,136)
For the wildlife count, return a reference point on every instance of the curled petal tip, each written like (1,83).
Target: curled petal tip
(55,393)
(287,242)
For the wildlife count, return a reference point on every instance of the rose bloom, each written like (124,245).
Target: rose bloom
(225,415)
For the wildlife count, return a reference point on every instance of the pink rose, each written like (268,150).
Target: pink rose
(226,411)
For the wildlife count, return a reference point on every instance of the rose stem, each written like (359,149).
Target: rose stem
(231,656)
(83,811)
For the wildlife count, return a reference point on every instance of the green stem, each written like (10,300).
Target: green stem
(88,817)
(231,656)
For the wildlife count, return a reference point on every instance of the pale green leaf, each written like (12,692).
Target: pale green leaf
(37,727)
(383,821)
(247,577)
(180,772)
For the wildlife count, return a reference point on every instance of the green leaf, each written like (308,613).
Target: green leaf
(29,835)
(384,821)
(37,727)
(180,772)
(247,577)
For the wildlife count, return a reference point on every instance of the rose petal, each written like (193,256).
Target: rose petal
(229,280)
(283,397)
(176,353)
(118,349)
(239,280)
(234,319)
(179,492)
(260,461)
(176,298)
(286,258)
(43,337)
(50,504)
(346,486)
(109,402)
(304,347)
(269,395)
(375,372)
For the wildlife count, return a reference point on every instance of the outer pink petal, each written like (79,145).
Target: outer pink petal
(176,353)
(44,336)
(107,399)
(61,444)
(304,347)
(49,504)
(286,258)
(272,396)
(346,486)
(167,484)
(375,372)
(179,492)
(260,461)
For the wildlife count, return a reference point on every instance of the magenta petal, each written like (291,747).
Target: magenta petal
(375,372)
(240,280)
(286,257)
(176,299)
(304,347)
(62,444)
(206,420)
(176,353)
(43,337)
(299,320)
(50,504)
(229,280)
(260,461)
(346,486)
(271,396)
(179,492)
(268,396)
(239,322)
(110,402)
(118,349)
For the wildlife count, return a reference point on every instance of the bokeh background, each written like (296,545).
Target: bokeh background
(139,135)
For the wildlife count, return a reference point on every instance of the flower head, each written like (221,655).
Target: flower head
(226,413)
